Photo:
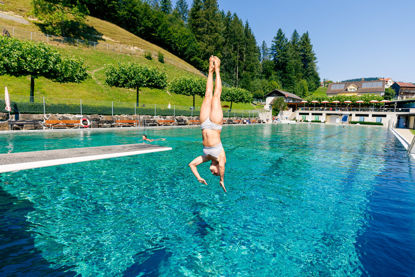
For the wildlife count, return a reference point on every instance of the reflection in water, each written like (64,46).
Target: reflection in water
(18,254)
(148,262)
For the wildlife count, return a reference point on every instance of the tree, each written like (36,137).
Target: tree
(135,76)
(183,9)
(279,51)
(389,94)
(278,105)
(165,6)
(301,88)
(60,17)
(189,86)
(206,24)
(309,60)
(19,58)
(238,95)
(264,51)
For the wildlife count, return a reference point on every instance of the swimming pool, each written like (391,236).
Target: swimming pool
(302,200)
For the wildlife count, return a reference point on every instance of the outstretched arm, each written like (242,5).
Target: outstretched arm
(193,166)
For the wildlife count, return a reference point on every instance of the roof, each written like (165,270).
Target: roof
(362,86)
(284,93)
(406,85)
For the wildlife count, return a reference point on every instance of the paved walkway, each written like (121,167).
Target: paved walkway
(29,160)
(406,134)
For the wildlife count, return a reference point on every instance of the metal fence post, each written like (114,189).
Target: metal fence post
(13,31)
(174,110)
(31,36)
(112,108)
(81,106)
(44,108)
(155,109)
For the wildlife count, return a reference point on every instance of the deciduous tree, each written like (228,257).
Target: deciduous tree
(18,58)
(131,75)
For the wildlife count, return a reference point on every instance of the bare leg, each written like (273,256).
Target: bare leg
(205,110)
(216,114)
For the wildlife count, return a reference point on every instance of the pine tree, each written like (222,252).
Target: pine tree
(309,61)
(152,3)
(279,50)
(165,6)
(251,58)
(233,48)
(183,9)
(264,51)
(295,56)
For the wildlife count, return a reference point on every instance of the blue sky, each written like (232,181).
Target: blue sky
(352,39)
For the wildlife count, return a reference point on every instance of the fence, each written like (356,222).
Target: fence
(21,33)
(49,105)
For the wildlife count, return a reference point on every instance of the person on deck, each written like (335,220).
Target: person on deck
(211,117)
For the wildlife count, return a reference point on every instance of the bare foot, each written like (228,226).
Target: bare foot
(217,63)
(211,64)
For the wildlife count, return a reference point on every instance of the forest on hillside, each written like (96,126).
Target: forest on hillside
(197,32)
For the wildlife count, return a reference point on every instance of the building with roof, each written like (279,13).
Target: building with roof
(404,90)
(357,87)
(388,82)
(288,98)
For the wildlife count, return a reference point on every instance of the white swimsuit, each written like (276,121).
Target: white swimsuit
(209,125)
(214,151)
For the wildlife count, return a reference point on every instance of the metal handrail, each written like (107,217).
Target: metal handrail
(411,146)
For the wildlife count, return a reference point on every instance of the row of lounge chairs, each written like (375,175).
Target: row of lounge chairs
(74,124)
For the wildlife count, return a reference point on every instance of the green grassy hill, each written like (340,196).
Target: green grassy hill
(94,91)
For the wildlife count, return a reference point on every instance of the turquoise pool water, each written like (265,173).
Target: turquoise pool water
(303,200)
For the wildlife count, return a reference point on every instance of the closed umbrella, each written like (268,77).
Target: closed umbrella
(335,102)
(7,101)
(304,101)
(325,102)
(314,101)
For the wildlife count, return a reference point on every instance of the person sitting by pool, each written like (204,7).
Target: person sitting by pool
(145,138)
(211,116)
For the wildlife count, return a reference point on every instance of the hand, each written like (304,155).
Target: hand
(202,181)
(222,184)
(217,63)
(211,64)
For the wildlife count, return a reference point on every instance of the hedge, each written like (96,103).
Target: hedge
(366,123)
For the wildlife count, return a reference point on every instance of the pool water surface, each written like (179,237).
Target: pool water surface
(303,200)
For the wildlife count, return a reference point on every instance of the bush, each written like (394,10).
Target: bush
(366,123)
(161,57)
(132,75)
(148,56)
(278,105)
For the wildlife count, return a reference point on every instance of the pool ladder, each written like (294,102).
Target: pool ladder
(411,146)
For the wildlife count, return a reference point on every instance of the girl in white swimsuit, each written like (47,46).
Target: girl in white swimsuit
(211,116)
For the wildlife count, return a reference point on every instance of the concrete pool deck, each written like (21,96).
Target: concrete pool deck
(28,160)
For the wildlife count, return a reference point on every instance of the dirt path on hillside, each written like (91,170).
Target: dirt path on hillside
(14,18)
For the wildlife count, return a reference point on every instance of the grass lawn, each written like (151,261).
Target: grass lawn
(413,132)
(94,91)
(321,91)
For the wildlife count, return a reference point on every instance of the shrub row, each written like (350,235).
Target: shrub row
(366,123)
